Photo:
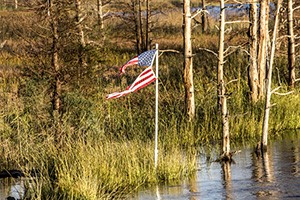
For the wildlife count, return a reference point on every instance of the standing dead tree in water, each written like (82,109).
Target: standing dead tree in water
(269,91)
(188,60)
(253,67)
(263,45)
(222,86)
(291,44)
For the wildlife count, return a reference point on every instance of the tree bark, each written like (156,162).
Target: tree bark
(263,44)
(147,25)
(253,70)
(100,15)
(204,17)
(291,45)
(269,82)
(221,84)
(79,19)
(140,21)
(136,25)
(188,61)
(56,101)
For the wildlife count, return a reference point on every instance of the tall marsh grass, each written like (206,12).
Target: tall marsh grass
(104,149)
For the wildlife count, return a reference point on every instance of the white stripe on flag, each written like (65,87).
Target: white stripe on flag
(144,79)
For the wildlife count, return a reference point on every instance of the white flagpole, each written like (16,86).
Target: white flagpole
(156,110)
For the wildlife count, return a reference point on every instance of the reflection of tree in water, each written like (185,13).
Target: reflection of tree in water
(263,169)
(226,169)
(296,161)
(263,174)
(193,188)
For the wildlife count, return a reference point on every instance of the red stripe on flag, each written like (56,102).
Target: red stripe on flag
(144,79)
(133,61)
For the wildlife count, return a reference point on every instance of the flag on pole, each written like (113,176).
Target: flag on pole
(144,59)
(144,79)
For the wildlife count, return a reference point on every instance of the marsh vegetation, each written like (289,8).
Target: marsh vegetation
(53,81)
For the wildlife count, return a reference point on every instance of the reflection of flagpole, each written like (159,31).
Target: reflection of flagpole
(156,110)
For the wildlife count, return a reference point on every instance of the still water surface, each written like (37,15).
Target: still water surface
(275,175)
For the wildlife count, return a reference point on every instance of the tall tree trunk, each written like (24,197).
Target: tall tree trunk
(204,17)
(79,19)
(221,84)
(269,82)
(253,70)
(263,44)
(147,25)
(16,4)
(136,25)
(291,45)
(100,17)
(140,20)
(188,61)
(56,101)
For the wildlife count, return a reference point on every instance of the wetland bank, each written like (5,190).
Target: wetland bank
(92,148)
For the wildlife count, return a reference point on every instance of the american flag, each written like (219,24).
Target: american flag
(144,79)
(144,59)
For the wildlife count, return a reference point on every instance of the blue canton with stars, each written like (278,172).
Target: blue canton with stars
(145,59)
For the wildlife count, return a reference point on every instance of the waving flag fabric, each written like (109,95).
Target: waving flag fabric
(144,79)
(144,59)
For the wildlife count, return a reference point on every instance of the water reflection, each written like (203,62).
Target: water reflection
(226,168)
(273,175)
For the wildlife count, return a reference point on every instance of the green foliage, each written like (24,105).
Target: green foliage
(103,149)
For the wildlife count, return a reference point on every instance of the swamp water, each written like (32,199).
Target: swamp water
(275,175)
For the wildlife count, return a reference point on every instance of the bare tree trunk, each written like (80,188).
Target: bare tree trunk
(137,25)
(269,82)
(188,61)
(204,17)
(291,45)
(263,43)
(221,84)
(140,20)
(16,4)
(100,14)
(147,25)
(79,19)
(253,70)
(56,101)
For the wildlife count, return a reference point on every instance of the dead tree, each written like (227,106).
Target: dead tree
(253,68)
(222,84)
(79,19)
(291,45)
(188,60)
(53,18)
(204,17)
(263,45)
(269,82)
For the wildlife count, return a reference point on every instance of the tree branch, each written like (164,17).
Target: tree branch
(237,21)
(283,94)
(298,7)
(279,93)
(234,80)
(210,51)
(168,50)
(199,11)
